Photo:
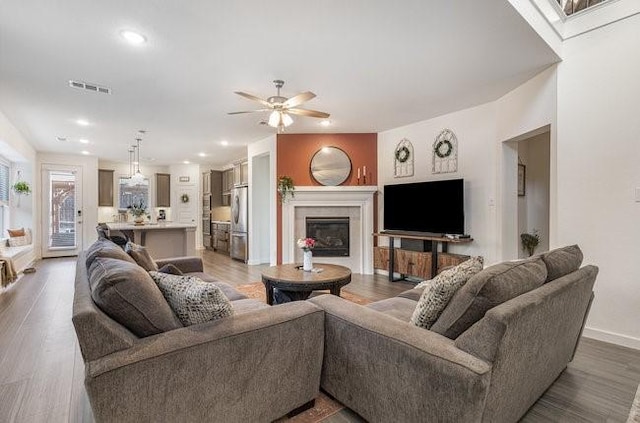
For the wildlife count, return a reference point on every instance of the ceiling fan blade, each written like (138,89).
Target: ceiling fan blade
(298,99)
(254,98)
(310,113)
(248,111)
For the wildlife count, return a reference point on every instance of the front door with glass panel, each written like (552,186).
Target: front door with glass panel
(61,210)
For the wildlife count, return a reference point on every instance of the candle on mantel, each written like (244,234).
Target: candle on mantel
(364,171)
(358,173)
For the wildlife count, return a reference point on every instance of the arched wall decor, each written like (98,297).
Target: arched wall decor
(403,159)
(445,152)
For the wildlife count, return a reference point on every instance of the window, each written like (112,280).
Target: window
(130,194)
(4,197)
(573,6)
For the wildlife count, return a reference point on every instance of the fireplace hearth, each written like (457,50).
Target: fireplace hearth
(331,235)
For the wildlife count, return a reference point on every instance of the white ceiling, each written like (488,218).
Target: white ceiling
(374,65)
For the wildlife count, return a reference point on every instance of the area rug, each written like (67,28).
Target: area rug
(256,291)
(634,414)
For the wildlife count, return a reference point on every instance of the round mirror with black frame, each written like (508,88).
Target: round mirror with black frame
(330,166)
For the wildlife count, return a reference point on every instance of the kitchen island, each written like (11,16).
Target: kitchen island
(162,240)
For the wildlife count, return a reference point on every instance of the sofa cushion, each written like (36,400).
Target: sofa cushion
(441,289)
(398,307)
(141,255)
(231,293)
(192,299)
(412,294)
(106,249)
(126,292)
(170,269)
(562,261)
(248,305)
(487,289)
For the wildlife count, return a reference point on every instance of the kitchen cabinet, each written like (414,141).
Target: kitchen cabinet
(220,235)
(105,188)
(163,190)
(206,183)
(241,174)
(227,185)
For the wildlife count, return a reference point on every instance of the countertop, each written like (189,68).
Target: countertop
(224,222)
(117,226)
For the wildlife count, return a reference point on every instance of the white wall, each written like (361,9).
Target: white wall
(598,170)
(89,165)
(262,201)
(475,129)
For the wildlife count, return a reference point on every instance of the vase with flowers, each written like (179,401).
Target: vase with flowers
(306,244)
(138,210)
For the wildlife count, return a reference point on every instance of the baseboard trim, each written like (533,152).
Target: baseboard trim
(612,337)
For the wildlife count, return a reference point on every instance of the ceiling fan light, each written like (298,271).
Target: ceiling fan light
(274,119)
(286,119)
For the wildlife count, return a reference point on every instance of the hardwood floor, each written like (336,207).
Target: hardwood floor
(41,370)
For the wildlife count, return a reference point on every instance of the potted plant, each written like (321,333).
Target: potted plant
(22,188)
(530,241)
(138,210)
(285,188)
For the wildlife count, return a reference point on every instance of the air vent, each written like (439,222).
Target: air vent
(89,87)
(62,139)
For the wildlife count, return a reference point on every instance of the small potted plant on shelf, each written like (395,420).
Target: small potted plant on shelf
(285,188)
(138,210)
(530,241)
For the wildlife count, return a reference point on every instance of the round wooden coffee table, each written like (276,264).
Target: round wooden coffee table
(298,284)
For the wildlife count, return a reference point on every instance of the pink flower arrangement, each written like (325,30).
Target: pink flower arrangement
(306,244)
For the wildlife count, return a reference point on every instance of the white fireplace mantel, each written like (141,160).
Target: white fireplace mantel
(360,196)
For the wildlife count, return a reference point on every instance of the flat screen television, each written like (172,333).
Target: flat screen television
(435,207)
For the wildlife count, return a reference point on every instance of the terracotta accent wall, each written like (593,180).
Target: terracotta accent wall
(295,151)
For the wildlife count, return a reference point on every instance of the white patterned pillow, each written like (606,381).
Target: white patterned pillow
(439,291)
(18,241)
(192,299)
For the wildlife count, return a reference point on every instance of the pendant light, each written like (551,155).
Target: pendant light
(137,178)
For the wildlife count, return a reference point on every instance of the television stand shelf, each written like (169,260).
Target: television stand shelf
(424,264)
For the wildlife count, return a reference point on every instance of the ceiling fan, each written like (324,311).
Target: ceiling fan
(282,107)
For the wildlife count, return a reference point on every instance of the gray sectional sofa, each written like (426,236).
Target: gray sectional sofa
(236,369)
(502,340)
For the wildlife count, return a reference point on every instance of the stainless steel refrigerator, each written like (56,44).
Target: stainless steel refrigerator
(239,223)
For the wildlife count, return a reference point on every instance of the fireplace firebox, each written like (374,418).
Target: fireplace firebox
(331,235)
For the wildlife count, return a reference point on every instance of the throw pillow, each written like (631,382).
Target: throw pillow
(18,241)
(125,292)
(170,269)
(487,289)
(16,232)
(106,248)
(440,290)
(192,299)
(562,261)
(141,255)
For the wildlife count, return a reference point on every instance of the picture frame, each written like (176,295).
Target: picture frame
(522,173)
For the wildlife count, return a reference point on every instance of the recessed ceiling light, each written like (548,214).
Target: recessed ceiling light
(85,152)
(186,162)
(82,122)
(325,122)
(83,141)
(224,142)
(202,155)
(133,37)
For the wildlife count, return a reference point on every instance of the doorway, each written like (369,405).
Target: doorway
(526,192)
(61,210)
